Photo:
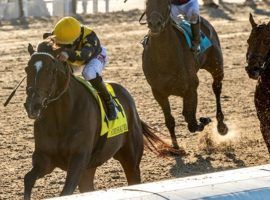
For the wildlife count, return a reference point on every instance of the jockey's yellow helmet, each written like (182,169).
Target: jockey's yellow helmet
(67,30)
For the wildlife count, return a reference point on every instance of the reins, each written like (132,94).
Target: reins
(48,101)
(140,20)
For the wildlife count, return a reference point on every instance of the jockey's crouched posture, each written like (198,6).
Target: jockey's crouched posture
(190,9)
(82,47)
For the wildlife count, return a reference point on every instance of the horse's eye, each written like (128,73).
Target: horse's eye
(29,90)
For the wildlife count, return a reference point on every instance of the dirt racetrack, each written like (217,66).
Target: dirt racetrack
(120,33)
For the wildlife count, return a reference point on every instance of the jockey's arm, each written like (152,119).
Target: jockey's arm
(90,48)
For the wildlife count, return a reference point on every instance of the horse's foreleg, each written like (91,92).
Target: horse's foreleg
(41,166)
(221,126)
(86,183)
(164,103)
(29,182)
(76,167)
(214,66)
(189,111)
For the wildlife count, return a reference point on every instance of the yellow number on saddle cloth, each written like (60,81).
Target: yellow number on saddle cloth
(114,127)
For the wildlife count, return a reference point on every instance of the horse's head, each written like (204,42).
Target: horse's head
(258,48)
(41,73)
(157,15)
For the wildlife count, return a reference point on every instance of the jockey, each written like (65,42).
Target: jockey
(190,9)
(82,48)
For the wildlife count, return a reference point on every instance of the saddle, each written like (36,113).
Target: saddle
(184,27)
(111,128)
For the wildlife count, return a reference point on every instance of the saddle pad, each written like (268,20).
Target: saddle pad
(110,127)
(185,27)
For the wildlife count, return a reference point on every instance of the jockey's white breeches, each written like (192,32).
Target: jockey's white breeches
(94,67)
(190,10)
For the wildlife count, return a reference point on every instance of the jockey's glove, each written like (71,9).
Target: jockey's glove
(63,56)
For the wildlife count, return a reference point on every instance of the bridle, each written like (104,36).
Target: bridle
(258,56)
(165,20)
(50,98)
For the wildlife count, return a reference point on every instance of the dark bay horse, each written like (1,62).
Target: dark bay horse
(170,67)
(68,123)
(258,59)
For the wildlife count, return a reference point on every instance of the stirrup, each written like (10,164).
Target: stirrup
(194,50)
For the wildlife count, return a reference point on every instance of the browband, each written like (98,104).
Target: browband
(44,53)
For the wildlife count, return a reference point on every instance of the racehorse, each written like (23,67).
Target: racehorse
(171,68)
(68,123)
(258,59)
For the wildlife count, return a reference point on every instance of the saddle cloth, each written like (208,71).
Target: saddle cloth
(185,27)
(113,127)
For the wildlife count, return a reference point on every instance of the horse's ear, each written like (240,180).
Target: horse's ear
(30,49)
(46,35)
(252,21)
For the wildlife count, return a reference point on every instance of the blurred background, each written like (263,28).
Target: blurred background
(10,9)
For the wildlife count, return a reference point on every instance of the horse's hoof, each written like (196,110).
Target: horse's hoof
(178,151)
(222,129)
(193,128)
(205,120)
(176,147)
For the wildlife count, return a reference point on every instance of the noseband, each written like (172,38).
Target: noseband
(51,99)
(252,56)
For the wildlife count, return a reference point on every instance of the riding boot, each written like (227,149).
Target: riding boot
(99,85)
(195,28)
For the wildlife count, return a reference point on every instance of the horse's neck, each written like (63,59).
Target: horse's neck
(62,107)
(163,42)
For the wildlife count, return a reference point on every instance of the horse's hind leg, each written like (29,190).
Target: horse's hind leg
(164,103)
(217,87)
(215,68)
(130,154)
(130,165)
(86,183)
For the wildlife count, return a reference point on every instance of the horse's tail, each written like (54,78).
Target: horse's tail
(156,144)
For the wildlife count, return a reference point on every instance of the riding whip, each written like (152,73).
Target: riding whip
(13,92)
